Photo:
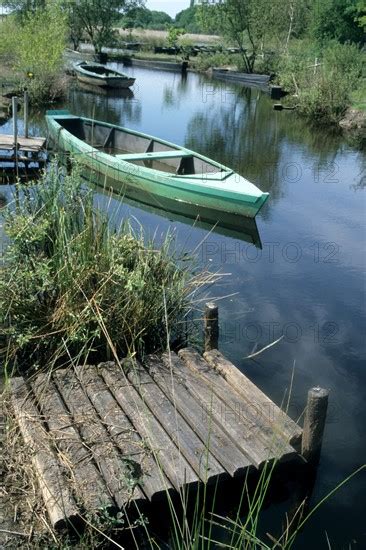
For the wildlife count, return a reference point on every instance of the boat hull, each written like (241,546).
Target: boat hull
(135,181)
(105,82)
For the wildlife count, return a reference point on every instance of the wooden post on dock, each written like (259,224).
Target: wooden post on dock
(26,113)
(211,323)
(15,129)
(314,422)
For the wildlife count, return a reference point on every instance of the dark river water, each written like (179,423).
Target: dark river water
(304,276)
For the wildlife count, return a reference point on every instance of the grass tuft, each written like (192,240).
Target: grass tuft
(73,286)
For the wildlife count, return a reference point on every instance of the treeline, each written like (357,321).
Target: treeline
(143,18)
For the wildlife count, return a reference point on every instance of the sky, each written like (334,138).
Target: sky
(169,6)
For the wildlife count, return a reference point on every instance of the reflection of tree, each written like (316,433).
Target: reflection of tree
(238,127)
(236,132)
(175,91)
(115,107)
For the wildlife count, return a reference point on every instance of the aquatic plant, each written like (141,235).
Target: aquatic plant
(73,285)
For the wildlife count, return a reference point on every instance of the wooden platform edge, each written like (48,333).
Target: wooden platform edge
(59,502)
(248,390)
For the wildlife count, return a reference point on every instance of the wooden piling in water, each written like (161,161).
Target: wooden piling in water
(211,326)
(26,113)
(15,130)
(314,423)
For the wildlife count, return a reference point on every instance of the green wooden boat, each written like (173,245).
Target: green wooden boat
(153,166)
(99,75)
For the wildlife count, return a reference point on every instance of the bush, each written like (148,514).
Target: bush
(323,92)
(36,47)
(205,61)
(75,288)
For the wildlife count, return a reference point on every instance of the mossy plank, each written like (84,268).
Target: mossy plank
(52,480)
(195,451)
(250,432)
(164,450)
(281,423)
(152,479)
(90,488)
(114,470)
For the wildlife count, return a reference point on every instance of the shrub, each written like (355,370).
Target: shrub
(323,92)
(36,46)
(205,61)
(73,286)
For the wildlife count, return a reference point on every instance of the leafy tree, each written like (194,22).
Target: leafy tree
(98,17)
(234,20)
(23,7)
(337,19)
(361,14)
(188,20)
(143,18)
(36,48)
(173,35)
(159,20)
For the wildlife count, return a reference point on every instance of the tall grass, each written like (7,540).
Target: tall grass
(70,277)
(322,79)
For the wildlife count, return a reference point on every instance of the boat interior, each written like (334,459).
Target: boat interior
(140,150)
(100,70)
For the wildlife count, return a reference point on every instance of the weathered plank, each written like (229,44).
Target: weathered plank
(54,488)
(189,444)
(165,372)
(165,452)
(280,422)
(249,431)
(152,479)
(89,485)
(25,144)
(114,469)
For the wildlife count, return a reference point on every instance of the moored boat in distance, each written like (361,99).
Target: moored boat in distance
(96,74)
(154,166)
(248,79)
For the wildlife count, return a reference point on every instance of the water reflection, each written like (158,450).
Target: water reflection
(221,223)
(107,105)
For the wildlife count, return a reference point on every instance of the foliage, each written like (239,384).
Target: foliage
(97,18)
(144,18)
(337,19)
(187,19)
(323,90)
(204,61)
(74,287)
(23,8)
(173,35)
(232,19)
(36,47)
(361,14)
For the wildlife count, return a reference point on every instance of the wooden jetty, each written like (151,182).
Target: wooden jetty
(124,435)
(21,155)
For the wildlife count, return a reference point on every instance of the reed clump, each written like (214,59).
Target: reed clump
(74,287)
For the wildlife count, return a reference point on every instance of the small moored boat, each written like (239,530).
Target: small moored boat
(153,166)
(100,75)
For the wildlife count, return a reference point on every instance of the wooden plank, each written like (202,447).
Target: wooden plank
(189,444)
(153,482)
(55,491)
(249,431)
(165,452)
(165,372)
(114,469)
(25,144)
(259,401)
(89,485)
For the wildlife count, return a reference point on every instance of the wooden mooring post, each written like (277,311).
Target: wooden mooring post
(26,113)
(314,423)
(15,129)
(211,325)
